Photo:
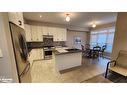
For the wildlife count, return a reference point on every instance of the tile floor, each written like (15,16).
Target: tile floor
(45,71)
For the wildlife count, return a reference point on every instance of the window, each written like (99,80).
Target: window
(102,37)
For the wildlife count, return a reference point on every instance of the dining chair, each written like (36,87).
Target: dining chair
(85,51)
(103,50)
(87,46)
(96,51)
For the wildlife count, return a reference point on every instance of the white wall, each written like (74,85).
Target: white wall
(72,34)
(120,38)
(7,63)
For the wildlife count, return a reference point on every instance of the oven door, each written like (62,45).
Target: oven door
(47,54)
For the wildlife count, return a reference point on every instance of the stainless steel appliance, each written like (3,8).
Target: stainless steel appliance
(48,40)
(48,45)
(48,52)
(20,50)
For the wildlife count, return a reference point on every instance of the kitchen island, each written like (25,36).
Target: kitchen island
(67,58)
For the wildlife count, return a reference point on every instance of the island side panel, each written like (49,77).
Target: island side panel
(69,60)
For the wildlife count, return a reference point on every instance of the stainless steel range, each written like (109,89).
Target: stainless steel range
(48,52)
(48,46)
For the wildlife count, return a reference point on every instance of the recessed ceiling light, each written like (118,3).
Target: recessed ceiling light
(40,16)
(67,18)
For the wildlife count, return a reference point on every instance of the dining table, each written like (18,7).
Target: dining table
(92,50)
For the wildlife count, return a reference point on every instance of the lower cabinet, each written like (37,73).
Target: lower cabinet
(35,54)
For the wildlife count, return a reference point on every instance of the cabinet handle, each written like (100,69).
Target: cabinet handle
(20,23)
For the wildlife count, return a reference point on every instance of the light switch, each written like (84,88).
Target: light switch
(1,55)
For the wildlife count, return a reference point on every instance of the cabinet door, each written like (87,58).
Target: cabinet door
(30,58)
(64,34)
(12,17)
(50,30)
(20,20)
(39,33)
(45,30)
(55,34)
(34,33)
(42,53)
(17,18)
(28,32)
(37,54)
(59,34)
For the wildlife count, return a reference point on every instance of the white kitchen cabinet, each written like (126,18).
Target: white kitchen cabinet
(35,54)
(64,34)
(51,30)
(39,54)
(34,34)
(17,18)
(47,30)
(31,57)
(55,34)
(20,19)
(39,33)
(13,17)
(60,34)
(42,53)
(28,33)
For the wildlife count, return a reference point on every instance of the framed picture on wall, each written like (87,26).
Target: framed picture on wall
(77,40)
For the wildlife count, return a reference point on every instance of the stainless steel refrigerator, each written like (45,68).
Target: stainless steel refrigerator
(20,50)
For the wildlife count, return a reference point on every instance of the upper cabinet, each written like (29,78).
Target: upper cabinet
(47,30)
(64,35)
(35,33)
(28,33)
(60,34)
(39,33)
(17,18)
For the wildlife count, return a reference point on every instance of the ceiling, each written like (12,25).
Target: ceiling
(80,19)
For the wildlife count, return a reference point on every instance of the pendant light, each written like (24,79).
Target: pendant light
(67,18)
(94,25)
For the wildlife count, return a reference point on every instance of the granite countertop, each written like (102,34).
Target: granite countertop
(68,51)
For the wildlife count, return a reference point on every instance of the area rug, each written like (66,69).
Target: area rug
(112,78)
(117,78)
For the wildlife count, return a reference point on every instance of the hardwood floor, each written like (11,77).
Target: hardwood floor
(97,79)
(45,71)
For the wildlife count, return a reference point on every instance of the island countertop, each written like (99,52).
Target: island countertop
(67,51)
(63,58)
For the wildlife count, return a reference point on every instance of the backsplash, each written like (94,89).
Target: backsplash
(41,44)
(59,43)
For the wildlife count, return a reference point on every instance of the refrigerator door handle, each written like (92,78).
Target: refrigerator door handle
(27,68)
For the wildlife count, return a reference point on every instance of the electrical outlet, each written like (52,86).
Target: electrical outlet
(1,55)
